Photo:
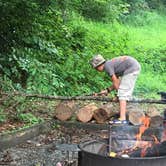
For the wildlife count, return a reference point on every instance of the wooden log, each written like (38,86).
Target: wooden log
(135,117)
(85,114)
(82,98)
(104,112)
(154,151)
(156,121)
(100,115)
(63,111)
(152,111)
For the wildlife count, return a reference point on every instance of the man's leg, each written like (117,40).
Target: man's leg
(122,109)
(125,92)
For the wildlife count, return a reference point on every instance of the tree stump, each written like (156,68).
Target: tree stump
(85,114)
(64,111)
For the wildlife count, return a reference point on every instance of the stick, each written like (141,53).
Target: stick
(98,98)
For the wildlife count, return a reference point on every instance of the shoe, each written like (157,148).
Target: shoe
(117,121)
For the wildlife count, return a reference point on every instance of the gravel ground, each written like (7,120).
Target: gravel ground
(47,150)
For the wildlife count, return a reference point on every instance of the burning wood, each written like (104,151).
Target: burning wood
(146,142)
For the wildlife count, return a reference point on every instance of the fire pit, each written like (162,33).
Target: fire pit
(131,146)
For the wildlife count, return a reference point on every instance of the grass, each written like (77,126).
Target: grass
(149,37)
(148,84)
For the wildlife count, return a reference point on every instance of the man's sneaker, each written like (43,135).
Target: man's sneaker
(117,121)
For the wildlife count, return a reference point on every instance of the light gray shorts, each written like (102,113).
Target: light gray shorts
(126,86)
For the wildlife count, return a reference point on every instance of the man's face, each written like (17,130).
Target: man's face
(100,68)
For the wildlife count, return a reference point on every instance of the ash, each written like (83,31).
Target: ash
(57,148)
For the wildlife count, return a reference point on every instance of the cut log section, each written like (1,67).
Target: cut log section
(135,117)
(100,115)
(64,111)
(85,114)
(156,121)
(104,112)
(152,111)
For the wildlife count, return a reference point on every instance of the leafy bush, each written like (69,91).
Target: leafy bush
(47,46)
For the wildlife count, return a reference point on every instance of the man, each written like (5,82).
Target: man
(123,72)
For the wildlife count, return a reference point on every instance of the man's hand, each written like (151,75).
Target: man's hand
(102,93)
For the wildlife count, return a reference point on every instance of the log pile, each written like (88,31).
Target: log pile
(64,111)
(103,113)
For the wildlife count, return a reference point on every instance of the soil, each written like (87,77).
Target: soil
(60,145)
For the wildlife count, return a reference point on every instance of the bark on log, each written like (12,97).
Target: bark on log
(100,115)
(152,111)
(85,114)
(135,117)
(63,111)
(156,121)
(104,112)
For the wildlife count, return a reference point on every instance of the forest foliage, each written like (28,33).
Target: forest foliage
(45,46)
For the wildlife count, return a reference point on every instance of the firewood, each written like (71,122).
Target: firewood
(104,112)
(108,99)
(154,151)
(85,114)
(156,121)
(100,115)
(64,111)
(152,111)
(135,117)
(110,109)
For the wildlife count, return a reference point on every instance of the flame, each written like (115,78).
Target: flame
(145,125)
(145,145)
(143,151)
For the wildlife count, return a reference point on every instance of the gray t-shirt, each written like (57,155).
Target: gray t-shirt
(121,66)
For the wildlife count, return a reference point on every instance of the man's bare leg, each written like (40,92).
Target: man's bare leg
(122,109)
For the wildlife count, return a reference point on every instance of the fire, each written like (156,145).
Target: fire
(144,145)
(145,125)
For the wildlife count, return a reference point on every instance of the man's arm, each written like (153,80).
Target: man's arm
(115,81)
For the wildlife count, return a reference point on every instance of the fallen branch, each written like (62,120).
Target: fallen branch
(98,98)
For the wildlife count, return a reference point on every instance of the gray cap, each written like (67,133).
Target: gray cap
(97,60)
